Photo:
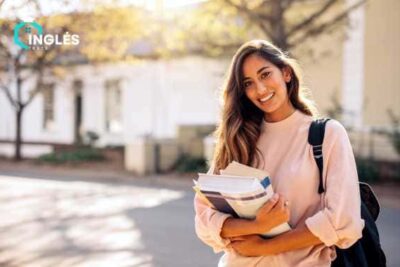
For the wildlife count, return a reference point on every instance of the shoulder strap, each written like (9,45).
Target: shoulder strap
(315,139)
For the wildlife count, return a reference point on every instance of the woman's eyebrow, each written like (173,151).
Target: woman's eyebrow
(263,68)
(260,70)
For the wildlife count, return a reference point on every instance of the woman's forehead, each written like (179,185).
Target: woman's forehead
(254,63)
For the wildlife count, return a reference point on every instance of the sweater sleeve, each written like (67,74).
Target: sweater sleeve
(339,222)
(208,225)
(209,222)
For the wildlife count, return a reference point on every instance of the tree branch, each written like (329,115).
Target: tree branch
(6,90)
(252,14)
(5,50)
(287,3)
(265,29)
(39,66)
(36,90)
(312,32)
(308,21)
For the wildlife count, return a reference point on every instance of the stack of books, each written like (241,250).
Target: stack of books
(238,190)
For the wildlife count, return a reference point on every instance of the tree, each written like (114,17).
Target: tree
(106,33)
(225,24)
(20,68)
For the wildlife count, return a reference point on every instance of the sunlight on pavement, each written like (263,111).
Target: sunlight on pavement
(62,223)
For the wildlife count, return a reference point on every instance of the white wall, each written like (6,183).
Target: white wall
(353,68)
(157,96)
(32,120)
(7,118)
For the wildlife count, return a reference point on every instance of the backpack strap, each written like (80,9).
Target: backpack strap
(315,139)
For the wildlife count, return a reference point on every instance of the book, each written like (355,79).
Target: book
(238,190)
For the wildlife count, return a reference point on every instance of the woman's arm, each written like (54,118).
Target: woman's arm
(237,227)
(270,215)
(208,225)
(292,240)
(254,245)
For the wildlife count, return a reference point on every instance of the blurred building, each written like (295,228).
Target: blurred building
(121,102)
(359,70)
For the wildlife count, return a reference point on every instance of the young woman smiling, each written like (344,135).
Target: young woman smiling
(265,122)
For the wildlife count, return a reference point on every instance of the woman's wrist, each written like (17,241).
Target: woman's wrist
(268,247)
(253,227)
(264,247)
(238,226)
(260,227)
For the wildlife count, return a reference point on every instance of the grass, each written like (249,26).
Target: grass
(75,156)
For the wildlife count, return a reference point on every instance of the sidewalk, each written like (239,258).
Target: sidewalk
(101,216)
(388,194)
(98,172)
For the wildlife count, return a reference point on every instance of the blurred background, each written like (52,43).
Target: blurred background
(100,139)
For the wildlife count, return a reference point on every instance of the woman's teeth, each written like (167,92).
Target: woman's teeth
(267,97)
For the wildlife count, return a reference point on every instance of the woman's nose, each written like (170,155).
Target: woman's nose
(261,88)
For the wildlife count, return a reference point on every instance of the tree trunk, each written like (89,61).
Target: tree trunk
(18,134)
(278,37)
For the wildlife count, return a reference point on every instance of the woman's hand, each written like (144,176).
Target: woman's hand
(274,212)
(270,215)
(248,245)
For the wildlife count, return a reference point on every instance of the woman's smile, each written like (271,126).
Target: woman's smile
(268,97)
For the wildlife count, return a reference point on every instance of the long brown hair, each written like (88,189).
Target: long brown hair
(240,125)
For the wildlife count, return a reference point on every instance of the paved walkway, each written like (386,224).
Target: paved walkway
(85,218)
(84,223)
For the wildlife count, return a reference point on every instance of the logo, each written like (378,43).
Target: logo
(39,40)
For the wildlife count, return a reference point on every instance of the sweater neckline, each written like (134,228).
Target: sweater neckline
(283,124)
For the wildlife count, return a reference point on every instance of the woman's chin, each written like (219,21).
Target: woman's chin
(268,109)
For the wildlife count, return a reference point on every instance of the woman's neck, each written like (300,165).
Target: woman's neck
(280,114)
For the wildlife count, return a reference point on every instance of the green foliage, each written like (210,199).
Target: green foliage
(108,31)
(75,156)
(213,29)
(187,163)
(368,170)
(219,27)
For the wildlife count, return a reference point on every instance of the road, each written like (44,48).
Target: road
(61,221)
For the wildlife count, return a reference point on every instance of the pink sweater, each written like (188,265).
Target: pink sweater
(334,217)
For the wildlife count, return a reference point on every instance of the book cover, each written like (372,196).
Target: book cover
(239,190)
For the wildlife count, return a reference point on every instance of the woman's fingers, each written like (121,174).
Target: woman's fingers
(236,238)
(270,203)
(281,202)
(243,237)
(282,208)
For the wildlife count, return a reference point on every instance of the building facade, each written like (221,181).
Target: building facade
(358,68)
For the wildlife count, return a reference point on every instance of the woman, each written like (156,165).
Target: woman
(265,123)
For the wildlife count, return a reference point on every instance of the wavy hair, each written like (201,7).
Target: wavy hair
(240,124)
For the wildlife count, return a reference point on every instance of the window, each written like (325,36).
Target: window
(77,89)
(113,106)
(48,106)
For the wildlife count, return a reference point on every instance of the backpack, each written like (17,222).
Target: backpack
(367,251)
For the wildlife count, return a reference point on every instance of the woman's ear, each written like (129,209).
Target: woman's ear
(287,74)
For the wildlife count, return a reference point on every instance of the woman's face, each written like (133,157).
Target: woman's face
(265,86)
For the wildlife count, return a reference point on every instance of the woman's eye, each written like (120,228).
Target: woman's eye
(265,75)
(246,84)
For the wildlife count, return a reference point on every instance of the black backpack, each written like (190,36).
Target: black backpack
(367,251)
